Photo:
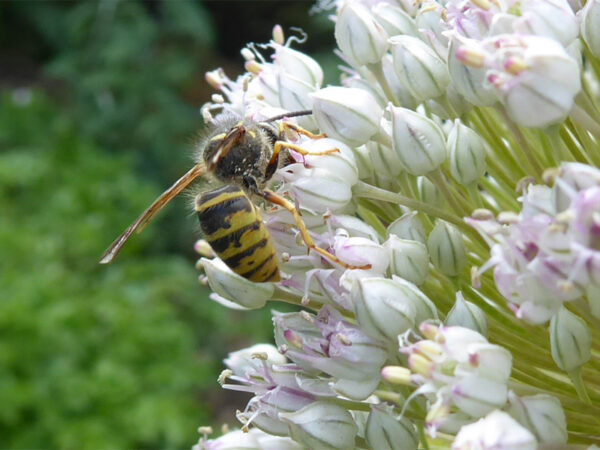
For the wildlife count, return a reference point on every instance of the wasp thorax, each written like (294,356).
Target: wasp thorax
(241,154)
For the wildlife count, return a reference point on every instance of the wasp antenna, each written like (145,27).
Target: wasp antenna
(111,252)
(306,112)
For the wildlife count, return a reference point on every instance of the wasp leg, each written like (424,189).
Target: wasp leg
(272,197)
(284,126)
(280,145)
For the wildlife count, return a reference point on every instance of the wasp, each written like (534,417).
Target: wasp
(243,155)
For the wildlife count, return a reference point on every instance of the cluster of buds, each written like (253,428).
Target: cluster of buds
(445,110)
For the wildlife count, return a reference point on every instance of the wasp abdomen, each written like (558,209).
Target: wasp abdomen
(234,229)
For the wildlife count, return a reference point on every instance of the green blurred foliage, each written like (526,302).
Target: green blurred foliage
(124,356)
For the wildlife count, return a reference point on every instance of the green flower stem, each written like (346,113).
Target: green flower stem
(505,201)
(371,219)
(423,437)
(580,116)
(377,71)
(499,173)
(560,151)
(438,179)
(577,380)
(475,195)
(589,146)
(567,136)
(501,150)
(534,168)
(362,189)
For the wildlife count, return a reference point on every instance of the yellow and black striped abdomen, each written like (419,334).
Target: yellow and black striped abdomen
(234,229)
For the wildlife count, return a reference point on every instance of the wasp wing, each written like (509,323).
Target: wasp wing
(111,252)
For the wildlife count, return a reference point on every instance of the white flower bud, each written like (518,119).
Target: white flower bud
(478,396)
(398,88)
(294,95)
(550,18)
(535,77)
(469,80)
(234,288)
(543,415)
(498,431)
(317,189)
(467,154)
(340,163)
(363,161)
(468,315)
(408,259)
(432,24)
(350,115)
(408,226)
(394,20)
(419,143)
(299,65)
(359,36)
(385,431)
(359,251)
(322,425)
(381,308)
(590,25)
(592,293)
(240,361)
(384,159)
(424,307)
(355,227)
(447,249)
(429,193)
(421,70)
(570,340)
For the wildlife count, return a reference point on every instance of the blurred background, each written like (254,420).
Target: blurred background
(99,113)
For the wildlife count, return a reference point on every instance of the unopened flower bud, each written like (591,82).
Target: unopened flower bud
(497,430)
(467,154)
(359,36)
(408,226)
(317,189)
(469,79)
(360,251)
(385,430)
(396,375)
(408,259)
(350,115)
(477,396)
(590,31)
(294,96)
(384,159)
(543,415)
(550,18)
(468,315)
(394,19)
(234,288)
(592,293)
(425,309)
(299,65)
(419,68)
(381,308)
(240,361)
(322,424)
(543,92)
(570,340)
(429,193)
(364,164)
(447,249)
(417,140)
